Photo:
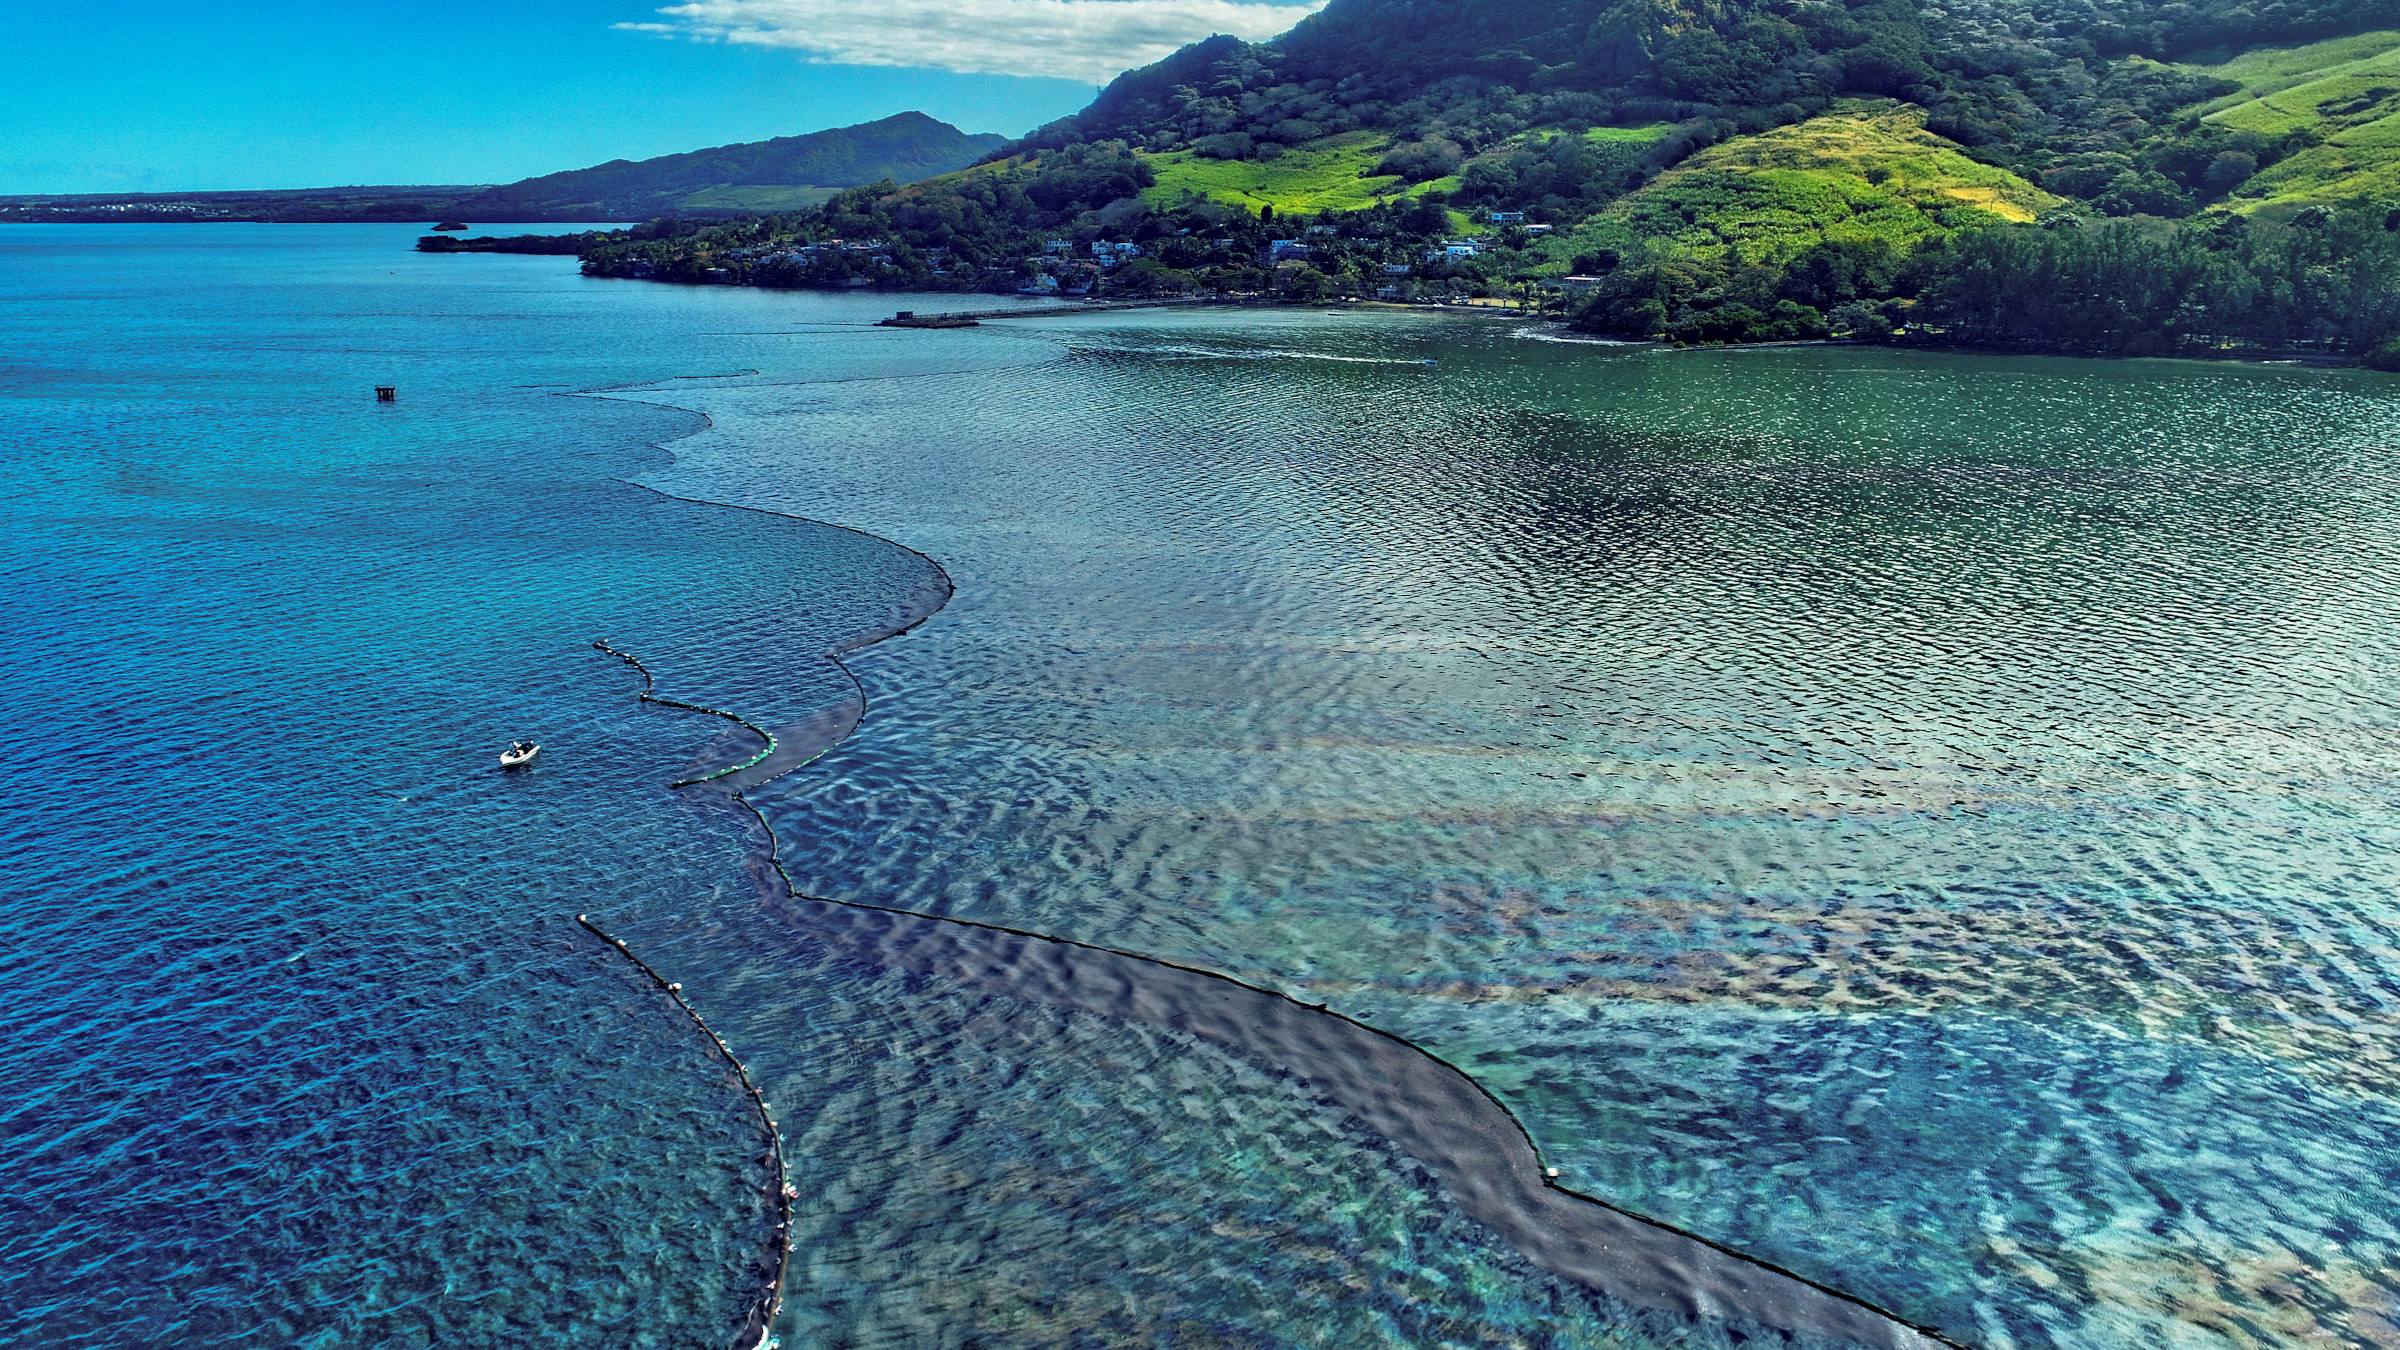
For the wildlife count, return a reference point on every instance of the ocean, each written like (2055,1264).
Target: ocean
(1920,822)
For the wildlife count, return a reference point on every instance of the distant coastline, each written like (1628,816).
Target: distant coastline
(376,205)
(1928,339)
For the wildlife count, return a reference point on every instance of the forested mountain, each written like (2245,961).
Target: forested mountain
(778,174)
(2087,96)
(1709,170)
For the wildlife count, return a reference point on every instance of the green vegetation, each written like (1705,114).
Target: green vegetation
(753,197)
(1628,135)
(970,229)
(2326,282)
(1331,173)
(1553,175)
(2029,87)
(2271,70)
(1869,170)
(540,244)
(2336,103)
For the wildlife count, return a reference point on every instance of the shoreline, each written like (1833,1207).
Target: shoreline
(2313,359)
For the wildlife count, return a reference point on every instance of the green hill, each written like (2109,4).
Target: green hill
(1868,170)
(2341,96)
(783,174)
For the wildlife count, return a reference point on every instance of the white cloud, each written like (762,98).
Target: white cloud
(1088,40)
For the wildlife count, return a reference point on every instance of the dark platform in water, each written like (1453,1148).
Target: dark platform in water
(909,318)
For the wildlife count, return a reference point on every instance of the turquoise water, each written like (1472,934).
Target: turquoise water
(1924,821)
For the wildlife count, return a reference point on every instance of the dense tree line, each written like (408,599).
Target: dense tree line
(552,245)
(994,231)
(2327,282)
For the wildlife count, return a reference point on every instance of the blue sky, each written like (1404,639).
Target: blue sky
(146,96)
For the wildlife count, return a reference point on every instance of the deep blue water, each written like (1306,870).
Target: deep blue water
(1926,821)
(304,1046)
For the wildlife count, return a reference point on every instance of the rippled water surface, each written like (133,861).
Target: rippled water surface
(303,1046)
(1925,821)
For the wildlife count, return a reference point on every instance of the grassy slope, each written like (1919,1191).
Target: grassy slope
(1630,135)
(2348,90)
(1332,174)
(755,197)
(1868,168)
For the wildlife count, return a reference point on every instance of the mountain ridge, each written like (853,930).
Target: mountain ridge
(718,182)
(2082,96)
(779,173)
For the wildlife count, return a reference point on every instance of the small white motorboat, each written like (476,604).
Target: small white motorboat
(519,754)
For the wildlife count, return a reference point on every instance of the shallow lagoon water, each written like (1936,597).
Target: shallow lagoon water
(1924,821)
